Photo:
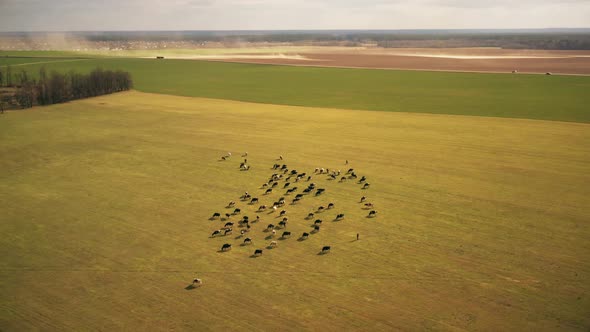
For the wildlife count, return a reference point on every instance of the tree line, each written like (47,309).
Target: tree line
(57,87)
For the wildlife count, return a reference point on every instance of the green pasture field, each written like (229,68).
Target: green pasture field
(482,222)
(559,98)
(17,63)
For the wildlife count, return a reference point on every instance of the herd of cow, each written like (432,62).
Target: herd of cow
(290,178)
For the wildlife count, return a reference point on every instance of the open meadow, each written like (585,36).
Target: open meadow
(482,222)
(561,98)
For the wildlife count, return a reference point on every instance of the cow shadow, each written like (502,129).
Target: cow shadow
(321,253)
(301,239)
(268,237)
(191,287)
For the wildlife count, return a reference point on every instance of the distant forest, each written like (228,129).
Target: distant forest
(549,39)
(21,90)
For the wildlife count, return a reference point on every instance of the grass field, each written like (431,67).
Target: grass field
(483,222)
(561,98)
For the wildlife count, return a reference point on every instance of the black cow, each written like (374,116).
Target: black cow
(325,249)
(299,196)
(270,227)
(316,228)
(363,199)
(286,185)
(262,207)
(227,231)
(366,186)
(216,215)
(319,191)
(282,213)
(295,200)
(320,209)
(217,232)
(228,224)
(304,236)
(227,215)
(254,200)
(310,215)
(286,235)
(283,223)
(257,252)
(237,211)
(317,222)
(307,190)
(331,205)
(274,184)
(350,171)
(247,240)
(372,213)
(363,179)
(231,204)
(342,179)
(268,191)
(225,247)
(340,216)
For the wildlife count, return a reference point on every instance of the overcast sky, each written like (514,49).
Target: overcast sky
(67,15)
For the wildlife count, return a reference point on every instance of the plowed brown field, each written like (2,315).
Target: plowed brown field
(478,60)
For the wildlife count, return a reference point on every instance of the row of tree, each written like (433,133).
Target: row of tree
(57,87)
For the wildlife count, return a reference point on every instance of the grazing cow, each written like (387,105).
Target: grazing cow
(247,240)
(262,208)
(274,184)
(268,191)
(372,213)
(317,222)
(270,227)
(215,233)
(254,200)
(237,211)
(342,179)
(225,246)
(264,185)
(304,236)
(283,223)
(325,249)
(223,158)
(227,215)
(320,209)
(295,200)
(330,205)
(257,252)
(273,243)
(363,199)
(197,281)
(307,190)
(308,178)
(368,205)
(340,216)
(316,228)
(228,224)
(363,179)
(319,191)
(310,215)
(293,172)
(282,213)
(286,185)
(366,186)
(299,196)
(350,170)
(227,231)
(257,219)
(216,215)
(231,204)
(286,235)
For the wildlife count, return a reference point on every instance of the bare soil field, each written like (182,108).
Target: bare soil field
(476,59)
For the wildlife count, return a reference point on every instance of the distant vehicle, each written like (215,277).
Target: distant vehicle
(159,57)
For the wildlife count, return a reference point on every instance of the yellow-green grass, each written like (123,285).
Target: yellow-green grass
(482,225)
